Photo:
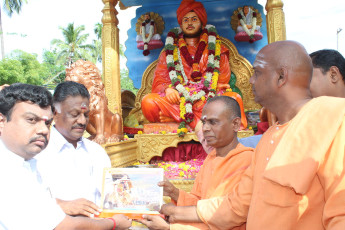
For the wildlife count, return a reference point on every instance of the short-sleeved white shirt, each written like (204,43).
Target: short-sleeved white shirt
(72,173)
(24,202)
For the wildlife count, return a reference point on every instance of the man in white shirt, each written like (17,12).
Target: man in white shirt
(25,119)
(72,166)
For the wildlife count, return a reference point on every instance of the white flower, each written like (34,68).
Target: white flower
(189,108)
(211,59)
(211,39)
(169,40)
(180,87)
(170,59)
(216,63)
(172,75)
(208,26)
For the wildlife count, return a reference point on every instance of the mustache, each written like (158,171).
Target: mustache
(39,138)
(79,126)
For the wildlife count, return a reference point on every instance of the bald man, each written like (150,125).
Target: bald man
(296,179)
(223,167)
(328,74)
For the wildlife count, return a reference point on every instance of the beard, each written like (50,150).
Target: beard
(195,35)
(148,20)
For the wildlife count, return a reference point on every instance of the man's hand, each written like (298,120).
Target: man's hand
(122,222)
(79,207)
(172,96)
(154,222)
(169,189)
(180,213)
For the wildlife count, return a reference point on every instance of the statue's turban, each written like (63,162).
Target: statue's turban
(187,6)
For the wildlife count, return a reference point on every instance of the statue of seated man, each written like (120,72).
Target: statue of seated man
(148,25)
(194,67)
(247,21)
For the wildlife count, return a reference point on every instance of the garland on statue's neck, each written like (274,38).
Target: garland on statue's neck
(244,26)
(200,87)
(143,35)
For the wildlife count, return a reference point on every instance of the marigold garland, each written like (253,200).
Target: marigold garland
(200,87)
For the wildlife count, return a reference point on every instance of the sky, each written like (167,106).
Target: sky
(313,24)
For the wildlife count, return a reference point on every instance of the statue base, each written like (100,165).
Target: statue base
(169,127)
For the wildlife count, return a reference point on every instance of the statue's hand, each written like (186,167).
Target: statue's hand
(172,96)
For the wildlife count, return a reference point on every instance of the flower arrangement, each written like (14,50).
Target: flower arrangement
(181,170)
(198,87)
(243,24)
(146,40)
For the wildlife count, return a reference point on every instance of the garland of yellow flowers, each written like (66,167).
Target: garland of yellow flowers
(200,87)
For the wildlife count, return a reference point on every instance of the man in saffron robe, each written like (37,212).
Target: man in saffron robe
(163,103)
(222,168)
(296,179)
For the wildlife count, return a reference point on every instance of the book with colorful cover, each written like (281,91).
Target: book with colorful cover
(132,192)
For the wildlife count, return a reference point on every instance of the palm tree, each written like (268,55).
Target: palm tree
(73,47)
(10,6)
(98,30)
(96,50)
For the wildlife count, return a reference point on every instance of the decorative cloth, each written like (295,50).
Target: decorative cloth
(187,6)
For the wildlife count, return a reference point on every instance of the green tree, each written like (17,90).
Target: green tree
(57,73)
(22,67)
(73,47)
(126,82)
(96,50)
(98,30)
(10,6)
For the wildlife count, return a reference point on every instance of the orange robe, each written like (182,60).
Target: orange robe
(153,102)
(296,179)
(217,177)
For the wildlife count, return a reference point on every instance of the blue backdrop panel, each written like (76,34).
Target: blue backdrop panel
(219,14)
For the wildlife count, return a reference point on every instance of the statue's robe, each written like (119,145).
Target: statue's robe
(154,102)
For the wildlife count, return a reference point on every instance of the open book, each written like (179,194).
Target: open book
(132,192)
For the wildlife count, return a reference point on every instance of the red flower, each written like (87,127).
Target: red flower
(239,16)
(254,14)
(152,23)
(186,55)
(146,52)
(209,69)
(196,76)
(171,68)
(171,34)
(212,33)
(169,52)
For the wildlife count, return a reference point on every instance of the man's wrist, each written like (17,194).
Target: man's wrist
(113,223)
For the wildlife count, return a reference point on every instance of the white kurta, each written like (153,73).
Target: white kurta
(72,173)
(24,202)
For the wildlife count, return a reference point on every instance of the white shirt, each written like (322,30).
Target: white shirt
(24,202)
(72,173)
